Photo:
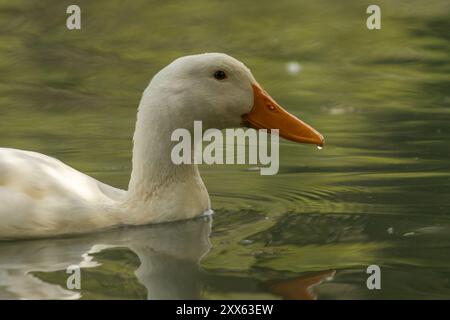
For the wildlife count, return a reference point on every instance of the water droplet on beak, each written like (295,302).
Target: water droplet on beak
(319,147)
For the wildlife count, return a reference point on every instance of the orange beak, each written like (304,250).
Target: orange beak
(267,114)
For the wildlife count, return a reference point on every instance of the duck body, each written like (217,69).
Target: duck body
(42,197)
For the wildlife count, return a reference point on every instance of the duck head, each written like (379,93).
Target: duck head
(222,92)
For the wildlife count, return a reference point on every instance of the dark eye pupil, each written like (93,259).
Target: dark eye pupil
(220,75)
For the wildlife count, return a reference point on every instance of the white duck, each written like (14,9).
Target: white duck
(42,197)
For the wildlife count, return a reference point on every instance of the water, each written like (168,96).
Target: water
(377,194)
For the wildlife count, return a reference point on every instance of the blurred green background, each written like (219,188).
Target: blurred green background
(378,193)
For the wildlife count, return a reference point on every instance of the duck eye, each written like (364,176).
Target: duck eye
(220,75)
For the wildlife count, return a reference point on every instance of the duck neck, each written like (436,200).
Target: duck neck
(152,166)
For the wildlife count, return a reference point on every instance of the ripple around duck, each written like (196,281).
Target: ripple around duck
(282,198)
(316,228)
(297,242)
(421,185)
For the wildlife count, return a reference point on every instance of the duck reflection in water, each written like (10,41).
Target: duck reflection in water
(168,266)
(168,255)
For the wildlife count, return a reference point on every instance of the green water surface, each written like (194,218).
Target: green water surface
(378,193)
